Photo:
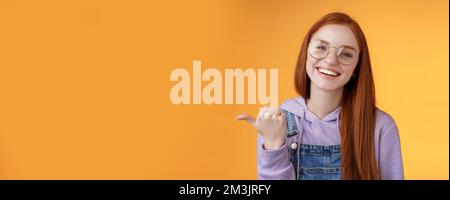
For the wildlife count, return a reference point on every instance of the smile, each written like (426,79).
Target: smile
(328,72)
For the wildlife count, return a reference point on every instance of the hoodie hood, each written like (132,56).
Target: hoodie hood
(314,131)
(298,107)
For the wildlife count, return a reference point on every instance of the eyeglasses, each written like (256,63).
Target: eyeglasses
(319,49)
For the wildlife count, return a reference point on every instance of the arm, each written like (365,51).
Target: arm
(274,164)
(272,153)
(391,165)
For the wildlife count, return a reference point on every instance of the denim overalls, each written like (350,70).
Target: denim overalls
(311,162)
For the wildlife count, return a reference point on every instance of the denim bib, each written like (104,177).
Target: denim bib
(311,162)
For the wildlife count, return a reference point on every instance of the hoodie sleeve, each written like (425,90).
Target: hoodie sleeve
(274,164)
(391,165)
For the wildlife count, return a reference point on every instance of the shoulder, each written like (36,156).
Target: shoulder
(293,105)
(384,122)
(296,99)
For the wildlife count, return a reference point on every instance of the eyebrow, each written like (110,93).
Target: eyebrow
(351,47)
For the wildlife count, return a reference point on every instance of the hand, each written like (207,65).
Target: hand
(271,124)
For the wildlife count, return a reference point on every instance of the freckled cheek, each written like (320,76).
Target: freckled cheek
(348,70)
(310,65)
(309,69)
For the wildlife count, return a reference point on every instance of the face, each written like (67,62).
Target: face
(332,57)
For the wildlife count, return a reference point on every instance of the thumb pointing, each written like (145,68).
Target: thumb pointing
(248,118)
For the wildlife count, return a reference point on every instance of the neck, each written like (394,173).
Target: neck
(323,102)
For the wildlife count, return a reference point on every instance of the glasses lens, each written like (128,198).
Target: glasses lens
(318,49)
(346,55)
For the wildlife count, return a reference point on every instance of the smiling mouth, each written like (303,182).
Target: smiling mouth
(328,72)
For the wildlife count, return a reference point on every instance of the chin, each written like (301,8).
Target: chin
(329,86)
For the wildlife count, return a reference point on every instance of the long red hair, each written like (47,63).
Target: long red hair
(357,114)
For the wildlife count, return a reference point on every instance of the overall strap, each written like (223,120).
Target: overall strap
(293,149)
(291,124)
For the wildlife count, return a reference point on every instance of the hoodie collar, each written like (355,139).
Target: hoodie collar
(311,117)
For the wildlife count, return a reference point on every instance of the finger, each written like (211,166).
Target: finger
(273,111)
(281,117)
(248,118)
(267,114)
(265,109)
(262,111)
(278,112)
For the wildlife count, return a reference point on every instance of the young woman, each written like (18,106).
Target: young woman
(333,130)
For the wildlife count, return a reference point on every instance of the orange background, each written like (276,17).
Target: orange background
(84,85)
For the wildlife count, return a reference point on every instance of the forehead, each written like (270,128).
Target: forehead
(336,35)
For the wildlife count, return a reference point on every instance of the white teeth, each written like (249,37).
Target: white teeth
(329,72)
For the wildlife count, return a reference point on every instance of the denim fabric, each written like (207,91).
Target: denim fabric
(311,162)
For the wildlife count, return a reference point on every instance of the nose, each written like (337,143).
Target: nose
(331,58)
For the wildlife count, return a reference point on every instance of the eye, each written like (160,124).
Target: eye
(347,55)
(321,47)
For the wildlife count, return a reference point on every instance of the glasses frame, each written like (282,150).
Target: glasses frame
(338,49)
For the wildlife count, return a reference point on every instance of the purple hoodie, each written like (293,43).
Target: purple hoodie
(275,164)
